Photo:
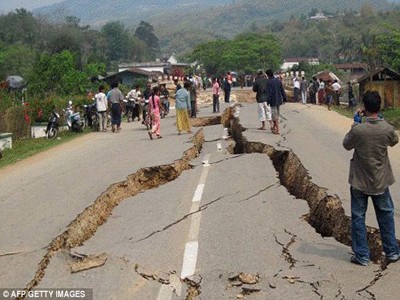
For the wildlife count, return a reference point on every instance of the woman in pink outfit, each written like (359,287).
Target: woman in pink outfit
(154,110)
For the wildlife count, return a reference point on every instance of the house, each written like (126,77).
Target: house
(319,17)
(386,82)
(165,66)
(156,66)
(289,63)
(355,70)
(131,76)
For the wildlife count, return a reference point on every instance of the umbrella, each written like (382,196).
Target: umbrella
(15,82)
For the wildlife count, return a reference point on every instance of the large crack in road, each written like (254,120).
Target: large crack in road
(86,223)
(327,215)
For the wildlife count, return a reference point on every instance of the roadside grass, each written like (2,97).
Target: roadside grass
(344,110)
(25,148)
(392,115)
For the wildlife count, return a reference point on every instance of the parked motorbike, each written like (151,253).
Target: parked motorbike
(129,107)
(74,121)
(146,116)
(109,120)
(165,110)
(91,116)
(52,125)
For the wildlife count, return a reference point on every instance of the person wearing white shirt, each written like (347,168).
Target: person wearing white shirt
(134,98)
(102,106)
(337,88)
(296,90)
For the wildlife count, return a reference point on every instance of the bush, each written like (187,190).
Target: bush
(18,122)
(6,100)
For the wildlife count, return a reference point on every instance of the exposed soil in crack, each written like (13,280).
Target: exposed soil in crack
(193,288)
(153,276)
(205,121)
(327,215)
(86,224)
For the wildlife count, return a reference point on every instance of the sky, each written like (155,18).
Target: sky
(9,5)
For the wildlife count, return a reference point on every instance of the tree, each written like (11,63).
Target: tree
(244,54)
(18,27)
(57,73)
(16,60)
(118,41)
(145,32)
(389,45)
(371,52)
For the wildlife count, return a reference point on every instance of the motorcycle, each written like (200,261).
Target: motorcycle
(165,109)
(129,107)
(109,120)
(52,125)
(91,116)
(74,120)
(146,116)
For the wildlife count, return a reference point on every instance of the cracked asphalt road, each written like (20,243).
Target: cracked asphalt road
(249,222)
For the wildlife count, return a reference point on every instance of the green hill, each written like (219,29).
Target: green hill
(180,32)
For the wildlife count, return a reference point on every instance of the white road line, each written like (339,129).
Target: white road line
(189,259)
(165,293)
(198,193)
(195,224)
(192,246)
(203,176)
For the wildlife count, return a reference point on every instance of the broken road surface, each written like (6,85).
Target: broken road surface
(183,224)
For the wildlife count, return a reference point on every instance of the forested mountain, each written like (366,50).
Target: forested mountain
(239,35)
(180,25)
(179,33)
(130,12)
(231,15)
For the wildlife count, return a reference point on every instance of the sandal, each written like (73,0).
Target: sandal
(150,134)
(261,128)
(159,136)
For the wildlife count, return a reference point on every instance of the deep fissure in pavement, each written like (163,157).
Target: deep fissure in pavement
(205,121)
(86,223)
(327,215)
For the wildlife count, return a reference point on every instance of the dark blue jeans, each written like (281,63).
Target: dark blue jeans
(227,95)
(215,103)
(384,211)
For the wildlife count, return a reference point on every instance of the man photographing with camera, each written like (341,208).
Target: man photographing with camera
(370,176)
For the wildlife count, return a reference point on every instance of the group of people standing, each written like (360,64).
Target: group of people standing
(270,94)
(318,91)
(150,105)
